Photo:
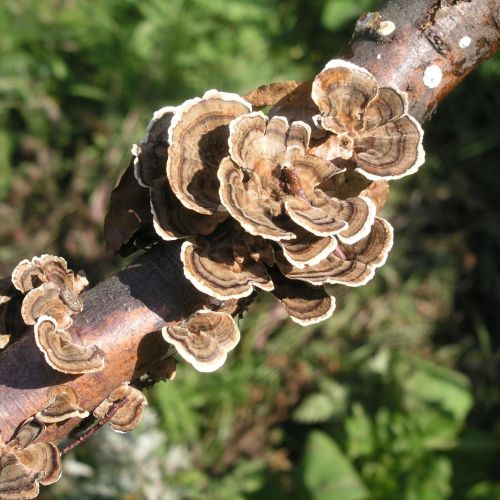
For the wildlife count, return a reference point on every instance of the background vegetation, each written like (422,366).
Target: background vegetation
(396,397)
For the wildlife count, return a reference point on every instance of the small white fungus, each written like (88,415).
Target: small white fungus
(379,56)
(464,42)
(432,76)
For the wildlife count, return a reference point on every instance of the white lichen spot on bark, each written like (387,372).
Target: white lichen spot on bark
(432,76)
(464,42)
(386,28)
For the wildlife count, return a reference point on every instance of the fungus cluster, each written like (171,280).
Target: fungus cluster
(51,297)
(26,462)
(271,202)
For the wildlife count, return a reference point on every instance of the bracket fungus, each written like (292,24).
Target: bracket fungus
(25,463)
(270,185)
(63,406)
(229,265)
(204,339)
(150,155)
(62,353)
(129,414)
(172,220)
(198,141)
(370,124)
(350,265)
(274,203)
(30,274)
(304,303)
(45,300)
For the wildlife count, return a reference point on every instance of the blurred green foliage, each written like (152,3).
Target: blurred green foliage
(396,397)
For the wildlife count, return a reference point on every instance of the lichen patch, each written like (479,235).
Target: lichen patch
(432,76)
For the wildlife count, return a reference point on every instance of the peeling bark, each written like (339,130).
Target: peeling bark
(123,314)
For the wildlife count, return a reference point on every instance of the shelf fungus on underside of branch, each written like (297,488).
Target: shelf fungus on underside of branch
(25,462)
(204,339)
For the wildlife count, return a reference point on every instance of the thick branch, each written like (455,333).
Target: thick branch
(121,313)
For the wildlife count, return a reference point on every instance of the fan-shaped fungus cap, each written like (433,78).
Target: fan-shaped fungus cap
(371,125)
(307,249)
(31,274)
(63,406)
(61,353)
(305,304)
(350,265)
(27,275)
(228,265)
(16,480)
(42,457)
(128,416)
(198,141)
(271,186)
(25,463)
(45,300)
(150,156)
(204,339)
(28,433)
(172,220)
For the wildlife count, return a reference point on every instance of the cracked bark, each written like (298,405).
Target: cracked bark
(123,314)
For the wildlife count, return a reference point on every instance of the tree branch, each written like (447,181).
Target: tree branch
(123,314)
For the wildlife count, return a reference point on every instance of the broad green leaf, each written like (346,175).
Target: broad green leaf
(327,473)
(315,408)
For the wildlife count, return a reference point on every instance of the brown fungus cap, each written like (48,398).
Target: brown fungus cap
(129,415)
(61,353)
(198,141)
(228,265)
(172,220)
(371,125)
(16,480)
(271,185)
(150,155)
(28,275)
(42,457)
(308,249)
(204,339)
(63,406)
(350,265)
(304,303)
(28,433)
(45,300)
(25,463)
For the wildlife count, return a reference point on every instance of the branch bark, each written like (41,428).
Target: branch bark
(124,313)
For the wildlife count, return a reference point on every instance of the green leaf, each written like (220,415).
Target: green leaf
(315,408)
(440,386)
(359,429)
(327,473)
